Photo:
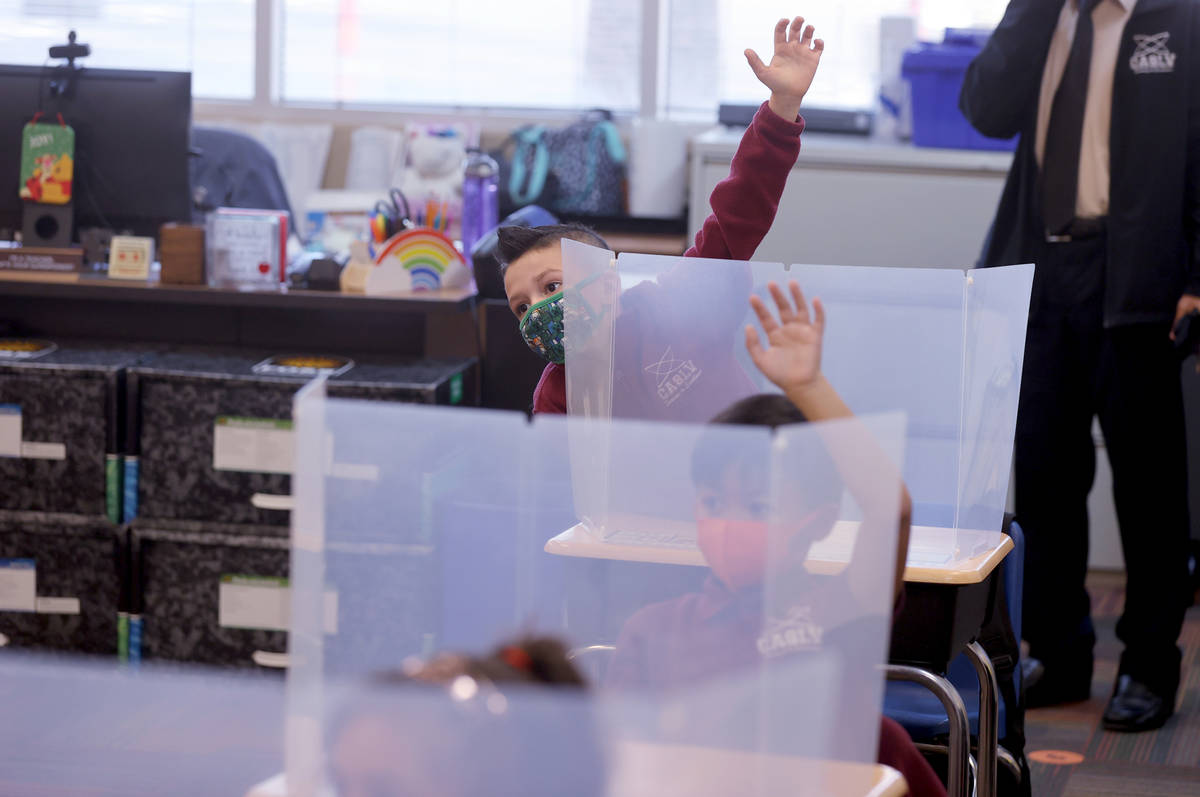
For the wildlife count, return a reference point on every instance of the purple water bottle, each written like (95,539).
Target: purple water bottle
(481,202)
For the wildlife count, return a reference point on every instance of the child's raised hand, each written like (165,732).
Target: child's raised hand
(793,361)
(792,67)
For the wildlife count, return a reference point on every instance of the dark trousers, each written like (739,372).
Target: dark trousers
(1076,369)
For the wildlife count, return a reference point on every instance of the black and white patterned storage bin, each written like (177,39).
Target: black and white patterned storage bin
(212,429)
(219,594)
(210,594)
(62,582)
(60,427)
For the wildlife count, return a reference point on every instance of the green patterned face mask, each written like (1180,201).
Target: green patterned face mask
(542,328)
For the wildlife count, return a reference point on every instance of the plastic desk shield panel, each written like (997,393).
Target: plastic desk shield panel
(89,727)
(944,346)
(477,494)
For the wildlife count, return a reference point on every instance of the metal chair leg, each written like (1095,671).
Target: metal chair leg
(1007,759)
(1010,763)
(958,781)
(989,712)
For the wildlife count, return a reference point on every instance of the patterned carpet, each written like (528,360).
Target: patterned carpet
(1162,763)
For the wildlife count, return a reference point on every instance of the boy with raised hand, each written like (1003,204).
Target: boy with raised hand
(744,206)
(723,629)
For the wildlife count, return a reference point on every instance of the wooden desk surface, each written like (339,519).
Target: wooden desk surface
(78,286)
(935,555)
(649,770)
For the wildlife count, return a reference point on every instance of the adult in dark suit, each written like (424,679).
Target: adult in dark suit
(1104,196)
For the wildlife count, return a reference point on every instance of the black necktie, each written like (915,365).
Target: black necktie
(1060,160)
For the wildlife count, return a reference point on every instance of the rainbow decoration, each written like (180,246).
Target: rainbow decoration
(428,256)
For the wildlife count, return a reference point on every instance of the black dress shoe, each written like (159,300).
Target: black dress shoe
(1136,707)
(1053,686)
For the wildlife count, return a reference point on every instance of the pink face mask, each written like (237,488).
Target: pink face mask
(736,550)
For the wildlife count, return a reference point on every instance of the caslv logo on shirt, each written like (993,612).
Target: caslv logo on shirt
(793,632)
(1150,54)
(674,376)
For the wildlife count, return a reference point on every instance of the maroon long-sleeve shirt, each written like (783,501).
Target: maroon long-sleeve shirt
(743,209)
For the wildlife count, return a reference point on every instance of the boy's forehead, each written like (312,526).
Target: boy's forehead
(746,478)
(531,264)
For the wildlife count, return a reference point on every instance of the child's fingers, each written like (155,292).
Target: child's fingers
(819,315)
(806,40)
(753,344)
(755,62)
(797,26)
(798,298)
(786,313)
(781,32)
(765,318)
(819,45)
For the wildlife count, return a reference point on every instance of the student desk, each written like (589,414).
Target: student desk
(949,590)
(651,770)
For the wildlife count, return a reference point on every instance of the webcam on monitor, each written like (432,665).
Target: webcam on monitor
(64,78)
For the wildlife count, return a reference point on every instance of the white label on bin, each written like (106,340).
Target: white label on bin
(257,445)
(263,603)
(253,602)
(10,430)
(18,585)
(267,501)
(57,605)
(43,450)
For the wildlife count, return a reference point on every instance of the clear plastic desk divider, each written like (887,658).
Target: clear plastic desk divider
(942,345)
(750,662)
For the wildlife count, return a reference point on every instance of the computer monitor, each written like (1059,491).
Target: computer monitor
(132,136)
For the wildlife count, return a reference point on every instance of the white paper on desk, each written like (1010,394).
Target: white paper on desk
(18,585)
(255,445)
(627,529)
(10,430)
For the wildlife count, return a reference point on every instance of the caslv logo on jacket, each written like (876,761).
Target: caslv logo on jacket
(674,376)
(794,632)
(1150,54)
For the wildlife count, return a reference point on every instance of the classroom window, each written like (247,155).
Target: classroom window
(705,64)
(462,53)
(213,39)
(472,54)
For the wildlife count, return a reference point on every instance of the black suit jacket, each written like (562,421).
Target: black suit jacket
(1154,205)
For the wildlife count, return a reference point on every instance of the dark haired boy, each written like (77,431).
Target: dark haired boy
(730,626)
(744,206)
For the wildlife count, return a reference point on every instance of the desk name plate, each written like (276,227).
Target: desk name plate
(43,260)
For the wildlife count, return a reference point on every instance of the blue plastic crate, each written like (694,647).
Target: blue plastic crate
(936,73)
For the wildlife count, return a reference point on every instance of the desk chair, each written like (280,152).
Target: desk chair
(913,700)
(510,370)
(233,170)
